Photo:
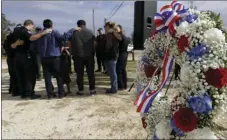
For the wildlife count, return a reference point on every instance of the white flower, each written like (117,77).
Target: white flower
(204,133)
(182,28)
(214,34)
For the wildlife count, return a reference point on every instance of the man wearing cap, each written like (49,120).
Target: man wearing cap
(100,46)
(22,39)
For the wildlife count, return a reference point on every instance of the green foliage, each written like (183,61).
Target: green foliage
(217,18)
(224,30)
(6,24)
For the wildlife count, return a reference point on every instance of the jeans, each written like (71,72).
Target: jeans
(111,70)
(121,70)
(79,63)
(51,66)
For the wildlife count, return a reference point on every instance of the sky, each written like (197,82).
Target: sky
(65,14)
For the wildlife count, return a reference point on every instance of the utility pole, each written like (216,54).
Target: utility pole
(93,19)
(192,5)
(105,21)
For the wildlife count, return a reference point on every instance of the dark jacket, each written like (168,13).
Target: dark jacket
(101,42)
(111,48)
(24,34)
(123,44)
(83,43)
(35,46)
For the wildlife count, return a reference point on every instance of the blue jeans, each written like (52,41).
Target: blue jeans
(51,67)
(111,70)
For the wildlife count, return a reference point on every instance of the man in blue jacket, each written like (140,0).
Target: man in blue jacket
(50,52)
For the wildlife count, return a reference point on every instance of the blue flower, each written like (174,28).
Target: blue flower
(200,104)
(144,59)
(175,129)
(190,18)
(197,52)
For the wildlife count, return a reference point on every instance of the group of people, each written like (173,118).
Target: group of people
(28,49)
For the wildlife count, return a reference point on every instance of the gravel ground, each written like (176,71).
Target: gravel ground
(88,117)
(102,116)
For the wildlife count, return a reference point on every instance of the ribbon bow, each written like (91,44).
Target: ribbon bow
(169,17)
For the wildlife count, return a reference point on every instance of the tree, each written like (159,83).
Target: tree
(6,24)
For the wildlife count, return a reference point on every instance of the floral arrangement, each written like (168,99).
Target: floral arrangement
(197,40)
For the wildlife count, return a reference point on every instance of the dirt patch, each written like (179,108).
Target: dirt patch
(6,123)
(70,119)
(61,104)
(23,103)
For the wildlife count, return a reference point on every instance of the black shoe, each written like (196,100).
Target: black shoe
(93,93)
(34,96)
(24,96)
(50,96)
(54,95)
(98,70)
(110,91)
(79,93)
(68,93)
(60,96)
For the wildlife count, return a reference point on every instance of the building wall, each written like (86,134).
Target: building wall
(150,7)
(143,10)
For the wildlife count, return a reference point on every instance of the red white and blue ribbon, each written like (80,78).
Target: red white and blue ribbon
(167,67)
(143,94)
(169,16)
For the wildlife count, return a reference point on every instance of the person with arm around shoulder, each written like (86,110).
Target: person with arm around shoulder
(122,60)
(50,52)
(22,38)
(82,46)
(111,55)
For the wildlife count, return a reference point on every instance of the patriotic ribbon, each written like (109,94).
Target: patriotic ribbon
(144,93)
(167,67)
(169,16)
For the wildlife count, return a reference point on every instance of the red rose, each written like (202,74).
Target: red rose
(217,77)
(149,70)
(185,119)
(182,43)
